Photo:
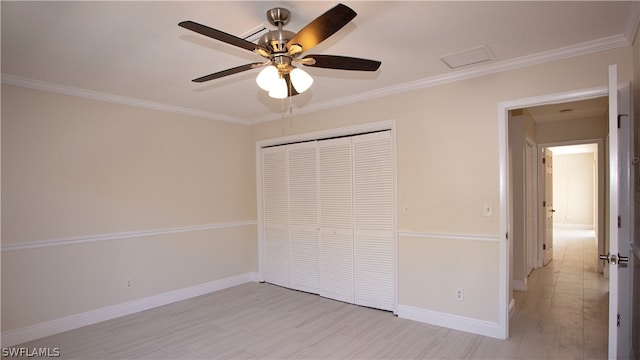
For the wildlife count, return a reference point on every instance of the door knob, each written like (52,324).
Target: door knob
(623,261)
(611,259)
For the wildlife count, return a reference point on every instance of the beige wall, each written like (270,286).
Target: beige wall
(447,149)
(76,168)
(573,130)
(573,189)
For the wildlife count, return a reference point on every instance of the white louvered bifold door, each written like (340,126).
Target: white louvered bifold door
(374,220)
(336,229)
(276,219)
(303,215)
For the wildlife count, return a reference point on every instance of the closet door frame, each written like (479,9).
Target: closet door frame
(319,135)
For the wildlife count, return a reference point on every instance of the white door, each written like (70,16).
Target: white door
(620,215)
(336,219)
(276,218)
(530,233)
(374,224)
(303,215)
(547,206)
(328,222)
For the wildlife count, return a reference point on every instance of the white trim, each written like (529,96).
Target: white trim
(573,226)
(512,306)
(396,237)
(584,48)
(117,99)
(48,328)
(450,321)
(503,117)
(504,293)
(451,236)
(321,134)
(122,235)
(518,285)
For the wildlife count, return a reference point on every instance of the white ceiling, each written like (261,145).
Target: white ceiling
(581,109)
(135,53)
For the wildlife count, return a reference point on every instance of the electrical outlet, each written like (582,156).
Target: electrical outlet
(459,294)
(128,283)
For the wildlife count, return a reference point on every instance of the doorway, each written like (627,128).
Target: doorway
(556,176)
(513,119)
(553,129)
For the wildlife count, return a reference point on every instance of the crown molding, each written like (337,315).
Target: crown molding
(117,99)
(603,44)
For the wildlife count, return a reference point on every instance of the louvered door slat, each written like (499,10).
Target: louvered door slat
(336,220)
(374,220)
(277,256)
(276,233)
(303,215)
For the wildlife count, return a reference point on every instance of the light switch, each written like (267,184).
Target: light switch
(488,209)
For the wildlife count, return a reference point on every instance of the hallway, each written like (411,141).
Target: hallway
(564,312)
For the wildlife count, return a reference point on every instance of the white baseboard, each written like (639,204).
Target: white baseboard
(557,225)
(512,305)
(456,322)
(519,285)
(48,328)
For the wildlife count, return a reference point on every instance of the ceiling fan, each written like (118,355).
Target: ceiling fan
(283,49)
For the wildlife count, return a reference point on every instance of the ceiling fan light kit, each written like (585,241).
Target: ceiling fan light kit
(281,48)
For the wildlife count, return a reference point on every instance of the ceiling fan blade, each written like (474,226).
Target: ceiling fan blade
(291,91)
(321,28)
(341,62)
(224,37)
(228,72)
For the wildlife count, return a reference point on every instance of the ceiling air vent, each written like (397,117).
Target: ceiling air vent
(472,56)
(254,34)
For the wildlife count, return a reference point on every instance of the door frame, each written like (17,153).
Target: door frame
(546,214)
(599,187)
(531,207)
(505,291)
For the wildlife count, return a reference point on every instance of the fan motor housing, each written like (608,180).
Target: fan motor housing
(276,40)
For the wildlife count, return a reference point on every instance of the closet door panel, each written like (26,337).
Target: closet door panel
(374,269)
(374,251)
(277,256)
(303,215)
(336,265)
(336,219)
(275,231)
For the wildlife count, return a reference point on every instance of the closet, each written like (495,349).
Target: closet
(328,218)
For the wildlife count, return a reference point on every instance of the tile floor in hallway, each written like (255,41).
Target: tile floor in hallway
(566,303)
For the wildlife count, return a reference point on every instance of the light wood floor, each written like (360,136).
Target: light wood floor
(563,315)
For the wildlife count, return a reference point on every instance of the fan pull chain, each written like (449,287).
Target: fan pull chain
(282,109)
